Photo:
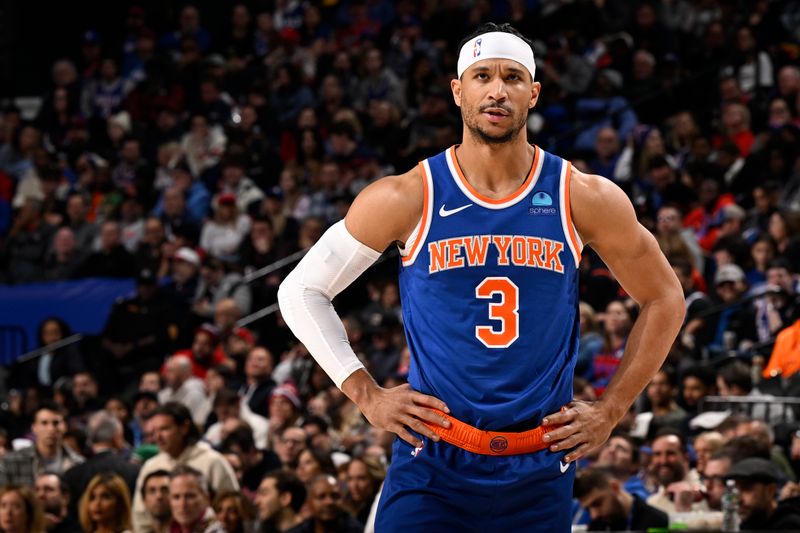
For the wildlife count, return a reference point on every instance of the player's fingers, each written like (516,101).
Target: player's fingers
(576,454)
(560,433)
(423,399)
(569,442)
(403,433)
(561,417)
(419,427)
(429,416)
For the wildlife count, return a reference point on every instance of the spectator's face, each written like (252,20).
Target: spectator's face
(788,80)
(209,93)
(603,506)
(307,466)
(156,497)
(169,437)
(258,364)
(199,127)
(12,512)
(607,143)
(669,220)
(616,318)
(187,501)
(703,449)
(359,483)
(268,501)
(694,390)
(51,332)
(226,315)
(131,151)
(714,481)
(84,387)
(754,497)
(174,202)
(659,391)
(281,410)
(668,462)
(203,346)
(103,505)
(48,492)
(109,236)
(144,408)
(76,209)
(762,253)
(190,19)
(150,382)
(290,444)
(64,241)
(228,514)
(48,428)
(324,499)
(782,278)
(233,459)
(617,454)
(153,232)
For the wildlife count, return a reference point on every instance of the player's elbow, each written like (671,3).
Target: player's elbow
(675,303)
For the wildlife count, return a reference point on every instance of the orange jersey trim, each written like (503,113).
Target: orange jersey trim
(568,211)
(424,221)
(495,201)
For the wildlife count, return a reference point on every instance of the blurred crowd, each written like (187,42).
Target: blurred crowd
(191,159)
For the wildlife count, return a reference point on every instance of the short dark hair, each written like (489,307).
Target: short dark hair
(780,262)
(48,406)
(737,374)
(156,473)
(744,446)
(589,479)
(702,373)
(241,437)
(226,398)
(314,420)
(682,265)
(667,432)
(491,27)
(286,481)
(62,483)
(670,374)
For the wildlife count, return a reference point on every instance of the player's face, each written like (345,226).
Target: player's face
(495,96)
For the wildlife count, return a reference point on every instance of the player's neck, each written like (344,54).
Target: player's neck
(495,169)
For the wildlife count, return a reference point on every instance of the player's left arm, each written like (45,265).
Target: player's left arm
(606,221)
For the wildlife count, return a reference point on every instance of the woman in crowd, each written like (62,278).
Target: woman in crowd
(105,506)
(235,512)
(311,462)
(20,511)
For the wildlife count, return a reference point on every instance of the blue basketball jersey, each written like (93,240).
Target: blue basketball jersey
(489,291)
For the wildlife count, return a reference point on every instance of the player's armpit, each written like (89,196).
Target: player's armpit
(387,211)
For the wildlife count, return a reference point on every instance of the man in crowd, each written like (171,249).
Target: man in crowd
(177,439)
(182,387)
(258,370)
(757,481)
(189,503)
(106,440)
(327,514)
(54,495)
(155,495)
(677,484)
(714,478)
(47,454)
(620,455)
(278,501)
(613,508)
(256,463)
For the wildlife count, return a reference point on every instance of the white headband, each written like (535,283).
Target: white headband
(496,45)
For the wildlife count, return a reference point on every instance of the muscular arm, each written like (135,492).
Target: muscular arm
(384,213)
(605,219)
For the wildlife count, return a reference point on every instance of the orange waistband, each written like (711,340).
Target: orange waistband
(484,442)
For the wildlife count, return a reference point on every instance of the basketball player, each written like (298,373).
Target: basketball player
(490,235)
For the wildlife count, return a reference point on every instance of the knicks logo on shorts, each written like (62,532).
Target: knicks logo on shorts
(498,444)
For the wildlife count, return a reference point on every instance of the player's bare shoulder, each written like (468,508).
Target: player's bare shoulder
(387,210)
(598,206)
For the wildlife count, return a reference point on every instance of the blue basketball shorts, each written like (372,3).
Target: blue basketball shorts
(444,488)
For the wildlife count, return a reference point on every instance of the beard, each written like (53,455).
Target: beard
(470,116)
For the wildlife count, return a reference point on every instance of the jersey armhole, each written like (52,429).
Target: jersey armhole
(413,244)
(573,239)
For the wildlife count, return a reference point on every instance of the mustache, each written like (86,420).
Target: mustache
(496,105)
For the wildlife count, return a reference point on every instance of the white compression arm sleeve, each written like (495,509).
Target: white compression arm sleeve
(305,298)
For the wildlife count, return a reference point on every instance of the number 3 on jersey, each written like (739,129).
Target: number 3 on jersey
(506,311)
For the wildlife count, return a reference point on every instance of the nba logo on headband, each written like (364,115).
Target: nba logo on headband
(496,45)
(476,49)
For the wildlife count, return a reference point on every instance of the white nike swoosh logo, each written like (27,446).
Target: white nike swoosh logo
(446,213)
(563,467)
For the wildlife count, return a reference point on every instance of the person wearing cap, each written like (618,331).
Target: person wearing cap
(136,334)
(487,419)
(284,408)
(757,482)
(736,320)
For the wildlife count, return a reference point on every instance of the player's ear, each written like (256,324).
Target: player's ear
(535,88)
(455,86)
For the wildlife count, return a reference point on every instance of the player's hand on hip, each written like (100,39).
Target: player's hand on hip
(400,408)
(584,427)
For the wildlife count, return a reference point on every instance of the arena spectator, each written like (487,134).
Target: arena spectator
(189,502)
(279,499)
(177,438)
(611,507)
(234,511)
(220,280)
(678,485)
(255,462)
(364,478)
(47,453)
(106,441)
(620,456)
(105,505)
(20,511)
(55,498)
(112,260)
(227,407)
(155,498)
(757,481)
(182,386)
(714,473)
(53,364)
